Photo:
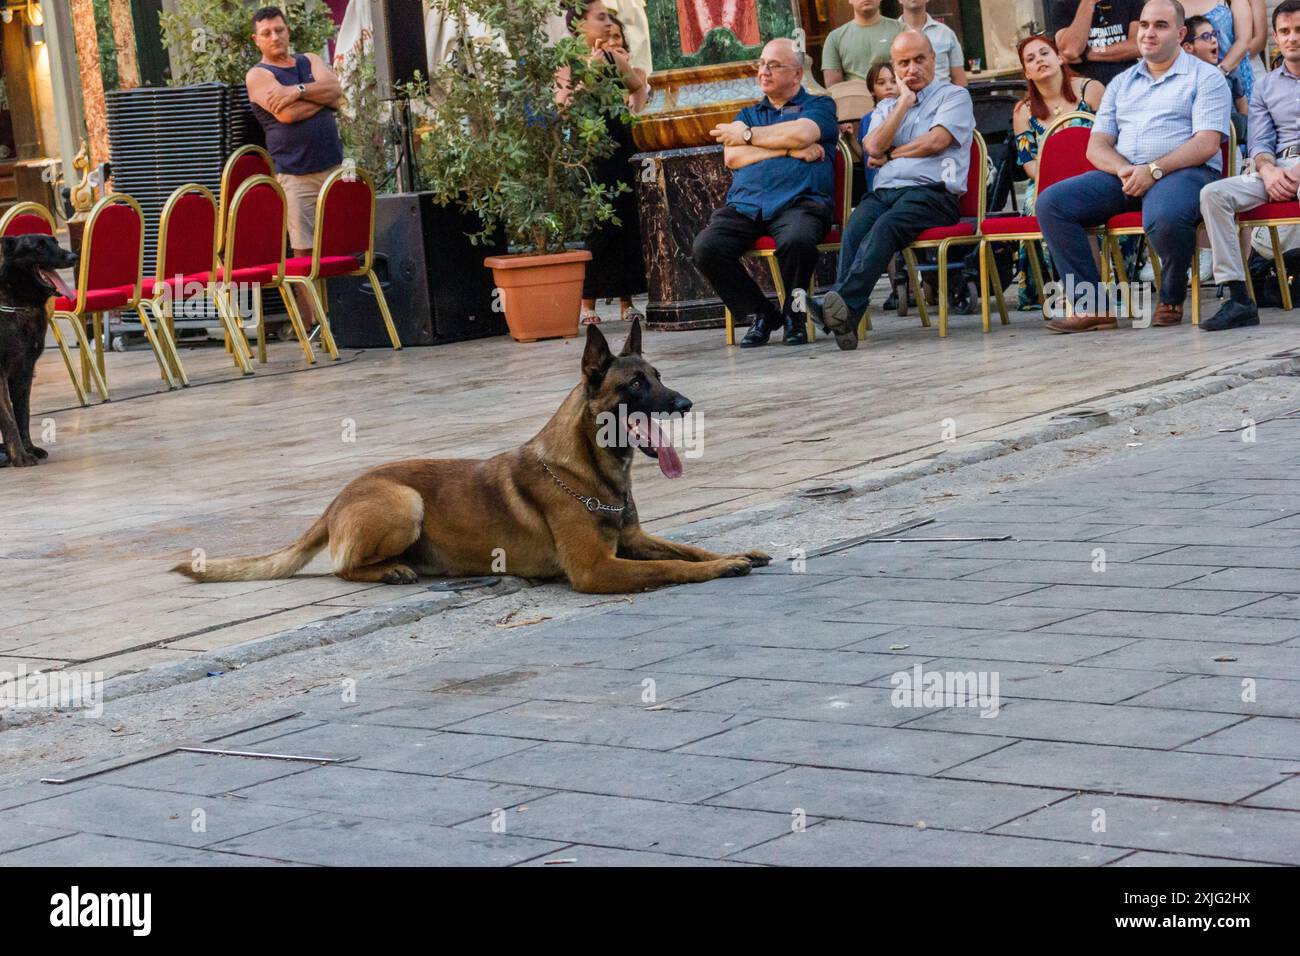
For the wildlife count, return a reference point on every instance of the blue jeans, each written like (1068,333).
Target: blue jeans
(1171,210)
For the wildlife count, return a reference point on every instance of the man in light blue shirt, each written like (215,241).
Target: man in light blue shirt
(1275,148)
(920,141)
(1156,143)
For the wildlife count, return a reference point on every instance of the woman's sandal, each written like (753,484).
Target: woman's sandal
(630,313)
(589,317)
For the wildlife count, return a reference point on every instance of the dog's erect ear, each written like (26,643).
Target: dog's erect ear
(633,344)
(595,357)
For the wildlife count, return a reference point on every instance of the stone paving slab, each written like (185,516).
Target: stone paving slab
(846,746)
(352,790)
(1254,737)
(1032,646)
(889,798)
(631,824)
(622,771)
(91,849)
(1074,722)
(841,843)
(154,815)
(1172,626)
(1127,770)
(1234,833)
(330,840)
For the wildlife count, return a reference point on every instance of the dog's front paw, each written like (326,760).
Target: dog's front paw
(400,574)
(734,567)
(756,559)
(40,453)
(16,458)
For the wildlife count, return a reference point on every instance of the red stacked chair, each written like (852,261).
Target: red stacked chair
(241,165)
(1067,157)
(343,245)
(187,256)
(254,255)
(109,279)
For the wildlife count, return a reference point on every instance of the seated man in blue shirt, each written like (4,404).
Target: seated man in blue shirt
(1156,144)
(781,153)
(920,142)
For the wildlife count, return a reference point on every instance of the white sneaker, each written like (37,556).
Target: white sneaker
(1207,266)
(1148,273)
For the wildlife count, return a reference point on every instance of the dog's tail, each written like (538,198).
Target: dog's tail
(278,564)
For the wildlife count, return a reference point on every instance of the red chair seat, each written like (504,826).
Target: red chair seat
(1009,225)
(1271,210)
(248,274)
(937,233)
(149,286)
(1125,220)
(99,300)
(768,244)
(329,265)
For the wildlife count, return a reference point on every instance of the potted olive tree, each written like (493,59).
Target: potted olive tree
(495,138)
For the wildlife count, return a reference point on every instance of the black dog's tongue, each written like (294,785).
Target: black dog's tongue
(54,279)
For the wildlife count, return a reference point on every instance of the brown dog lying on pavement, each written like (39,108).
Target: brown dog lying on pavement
(559,505)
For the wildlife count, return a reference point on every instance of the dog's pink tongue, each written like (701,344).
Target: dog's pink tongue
(56,280)
(670,463)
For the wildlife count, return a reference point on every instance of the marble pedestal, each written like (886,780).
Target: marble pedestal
(677,191)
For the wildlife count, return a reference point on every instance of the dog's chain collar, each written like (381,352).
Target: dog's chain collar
(591,502)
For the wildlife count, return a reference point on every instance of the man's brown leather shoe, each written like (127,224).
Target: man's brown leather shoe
(1167,314)
(1082,323)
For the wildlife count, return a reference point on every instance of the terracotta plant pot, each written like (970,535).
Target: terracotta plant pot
(542,294)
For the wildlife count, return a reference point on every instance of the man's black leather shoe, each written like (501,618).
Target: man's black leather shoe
(1232,315)
(759,332)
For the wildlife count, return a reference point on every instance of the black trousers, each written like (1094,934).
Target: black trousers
(885,221)
(797,230)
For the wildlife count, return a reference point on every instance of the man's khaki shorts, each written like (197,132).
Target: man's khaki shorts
(300,193)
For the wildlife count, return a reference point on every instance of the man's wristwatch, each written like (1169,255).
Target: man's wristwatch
(749,134)
(1156,172)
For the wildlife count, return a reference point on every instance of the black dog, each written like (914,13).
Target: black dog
(27,280)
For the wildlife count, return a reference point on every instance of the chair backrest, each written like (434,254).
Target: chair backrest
(1068,153)
(1230,153)
(345,218)
(255,229)
(187,233)
(843,205)
(27,219)
(975,198)
(243,164)
(112,247)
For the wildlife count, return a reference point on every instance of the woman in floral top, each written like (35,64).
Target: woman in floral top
(1054,90)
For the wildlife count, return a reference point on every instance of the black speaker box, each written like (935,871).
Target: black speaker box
(400,47)
(433,279)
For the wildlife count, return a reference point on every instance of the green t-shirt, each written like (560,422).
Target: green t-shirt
(853,49)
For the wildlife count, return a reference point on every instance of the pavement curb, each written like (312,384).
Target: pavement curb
(1043,428)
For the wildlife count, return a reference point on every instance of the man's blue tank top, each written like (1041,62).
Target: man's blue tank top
(308,146)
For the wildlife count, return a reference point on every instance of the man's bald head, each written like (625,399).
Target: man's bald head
(913,56)
(780,71)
